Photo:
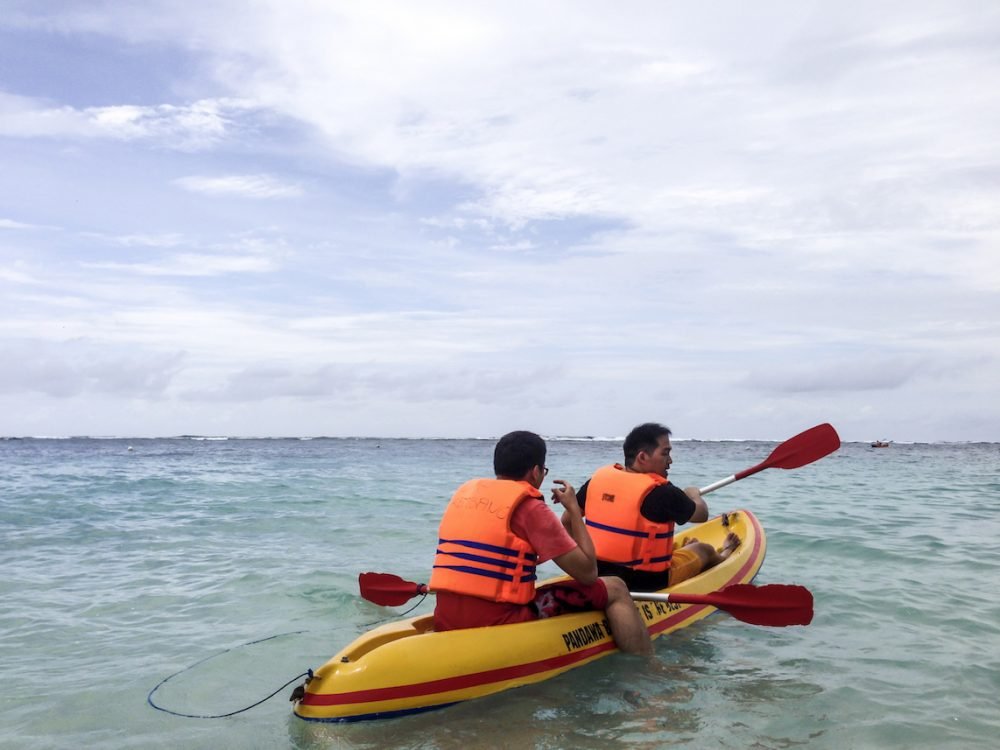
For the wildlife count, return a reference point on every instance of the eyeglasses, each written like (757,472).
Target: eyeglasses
(545,471)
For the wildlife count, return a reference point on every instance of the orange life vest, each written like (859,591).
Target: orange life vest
(620,532)
(477,553)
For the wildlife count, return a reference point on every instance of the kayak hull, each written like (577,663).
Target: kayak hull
(404,667)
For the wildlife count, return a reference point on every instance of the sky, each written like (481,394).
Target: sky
(456,219)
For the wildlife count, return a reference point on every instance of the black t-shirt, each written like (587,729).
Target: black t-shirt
(664,503)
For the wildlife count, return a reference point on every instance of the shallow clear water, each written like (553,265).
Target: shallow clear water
(119,568)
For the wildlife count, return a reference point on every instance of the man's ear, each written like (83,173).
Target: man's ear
(532,477)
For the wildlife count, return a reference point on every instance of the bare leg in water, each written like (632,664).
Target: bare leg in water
(627,627)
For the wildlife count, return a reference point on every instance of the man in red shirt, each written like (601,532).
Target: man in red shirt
(495,532)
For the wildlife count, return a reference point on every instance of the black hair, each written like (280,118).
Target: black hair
(645,437)
(517,453)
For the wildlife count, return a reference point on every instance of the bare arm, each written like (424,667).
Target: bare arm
(701,507)
(581,561)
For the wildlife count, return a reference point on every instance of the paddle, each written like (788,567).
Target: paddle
(774,604)
(804,448)
(389,590)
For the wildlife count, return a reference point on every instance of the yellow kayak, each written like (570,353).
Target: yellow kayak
(404,667)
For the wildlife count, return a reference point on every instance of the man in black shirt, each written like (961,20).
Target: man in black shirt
(647,451)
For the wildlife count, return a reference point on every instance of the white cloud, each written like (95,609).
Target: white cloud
(191,126)
(245,253)
(248,186)
(141,240)
(11,224)
(15,276)
(81,367)
(191,264)
(845,373)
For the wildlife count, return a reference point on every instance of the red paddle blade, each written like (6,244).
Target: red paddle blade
(804,448)
(388,590)
(776,604)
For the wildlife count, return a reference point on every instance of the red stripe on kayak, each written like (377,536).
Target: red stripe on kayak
(483,678)
(756,549)
(455,683)
(521,670)
(667,622)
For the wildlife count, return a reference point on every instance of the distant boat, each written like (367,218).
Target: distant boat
(881,444)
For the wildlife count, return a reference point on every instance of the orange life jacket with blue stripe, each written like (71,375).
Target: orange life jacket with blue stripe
(477,553)
(620,532)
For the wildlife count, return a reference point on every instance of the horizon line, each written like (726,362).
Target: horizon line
(552,438)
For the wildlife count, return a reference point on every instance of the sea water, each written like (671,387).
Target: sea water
(230,566)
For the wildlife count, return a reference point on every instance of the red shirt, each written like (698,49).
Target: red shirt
(534,522)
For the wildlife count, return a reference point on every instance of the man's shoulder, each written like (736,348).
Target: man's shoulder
(668,502)
(537,524)
(666,489)
(532,510)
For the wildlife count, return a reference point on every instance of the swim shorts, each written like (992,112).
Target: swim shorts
(683,565)
(570,596)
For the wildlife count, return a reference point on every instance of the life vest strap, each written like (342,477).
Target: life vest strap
(627,532)
(490,573)
(640,561)
(482,559)
(529,556)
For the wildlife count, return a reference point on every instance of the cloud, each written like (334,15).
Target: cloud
(362,382)
(246,253)
(192,264)
(247,186)
(76,368)
(851,373)
(172,239)
(15,276)
(11,224)
(197,125)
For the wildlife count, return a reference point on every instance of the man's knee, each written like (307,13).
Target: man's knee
(617,590)
(706,553)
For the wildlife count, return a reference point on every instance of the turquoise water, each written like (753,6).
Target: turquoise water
(120,567)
